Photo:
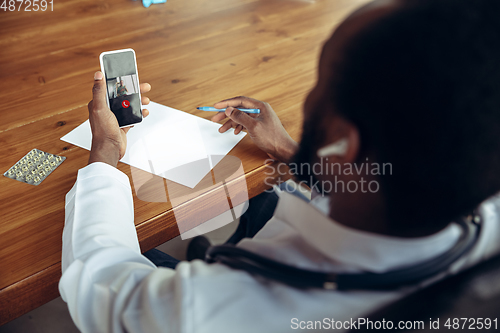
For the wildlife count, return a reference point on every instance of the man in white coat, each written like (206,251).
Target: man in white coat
(404,123)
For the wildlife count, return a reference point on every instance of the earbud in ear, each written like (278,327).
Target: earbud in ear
(338,148)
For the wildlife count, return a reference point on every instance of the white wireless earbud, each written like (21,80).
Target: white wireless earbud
(338,148)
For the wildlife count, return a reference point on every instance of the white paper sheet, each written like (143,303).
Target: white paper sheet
(168,139)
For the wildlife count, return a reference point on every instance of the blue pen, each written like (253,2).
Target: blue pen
(209,108)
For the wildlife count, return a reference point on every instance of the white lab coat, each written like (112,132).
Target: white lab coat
(110,287)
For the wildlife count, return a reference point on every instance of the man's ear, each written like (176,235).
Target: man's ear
(346,144)
(354,144)
(338,148)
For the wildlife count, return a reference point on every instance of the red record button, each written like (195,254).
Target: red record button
(125,104)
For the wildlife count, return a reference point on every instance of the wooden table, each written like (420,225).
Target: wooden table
(193,52)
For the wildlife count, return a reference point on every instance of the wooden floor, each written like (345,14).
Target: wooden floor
(193,52)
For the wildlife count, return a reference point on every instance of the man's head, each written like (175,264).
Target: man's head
(414,83)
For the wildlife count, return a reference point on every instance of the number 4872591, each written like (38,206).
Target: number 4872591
(27,5)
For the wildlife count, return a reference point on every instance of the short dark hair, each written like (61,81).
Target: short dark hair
(423,87)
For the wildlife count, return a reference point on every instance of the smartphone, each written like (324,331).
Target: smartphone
(122,83)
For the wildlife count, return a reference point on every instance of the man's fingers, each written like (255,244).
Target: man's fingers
(240,117)
(218,117)
(145,113)
(99,93)
(238,129)
(145,87)
(227,126)
(239,102)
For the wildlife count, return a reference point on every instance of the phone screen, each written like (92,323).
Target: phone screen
(123,87)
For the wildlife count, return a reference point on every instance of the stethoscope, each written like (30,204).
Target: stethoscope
(238,258)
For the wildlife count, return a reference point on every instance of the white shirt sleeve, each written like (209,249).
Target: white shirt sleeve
(110,287)
(101,264)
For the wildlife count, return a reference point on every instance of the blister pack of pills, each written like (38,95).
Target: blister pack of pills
(34,167)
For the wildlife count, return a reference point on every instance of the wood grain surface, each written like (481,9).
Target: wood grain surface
(193,52)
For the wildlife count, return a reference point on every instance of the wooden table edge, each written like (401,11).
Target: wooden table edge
(29,293)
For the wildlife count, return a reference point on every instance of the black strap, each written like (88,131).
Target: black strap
(239,258)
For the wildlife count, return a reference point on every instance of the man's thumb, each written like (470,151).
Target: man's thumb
(240,117)
(99,91)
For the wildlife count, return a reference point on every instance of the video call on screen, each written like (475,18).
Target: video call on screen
(123,87)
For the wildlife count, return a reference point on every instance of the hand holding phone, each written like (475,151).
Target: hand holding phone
(122,85)
(109,141)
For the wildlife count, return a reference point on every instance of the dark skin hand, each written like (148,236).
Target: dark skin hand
(109,141)
(264,128)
